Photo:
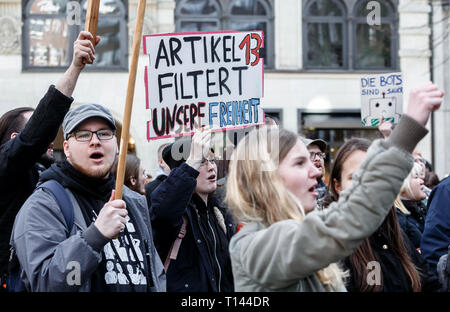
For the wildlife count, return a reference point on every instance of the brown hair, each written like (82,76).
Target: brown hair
(431,180)
(12,121)
(390,228)
(132,170)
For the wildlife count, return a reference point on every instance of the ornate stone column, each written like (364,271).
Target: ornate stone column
(288,34)
(415,53)
(165,18)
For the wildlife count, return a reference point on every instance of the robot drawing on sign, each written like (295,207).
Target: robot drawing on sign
(386,107)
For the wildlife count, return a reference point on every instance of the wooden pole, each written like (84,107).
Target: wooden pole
(92,18)
(129,99)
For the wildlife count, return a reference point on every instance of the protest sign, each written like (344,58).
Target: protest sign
(203,78)
(381,95)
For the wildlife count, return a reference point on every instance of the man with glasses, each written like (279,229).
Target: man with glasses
(317,154)
(108,238)
(192,227)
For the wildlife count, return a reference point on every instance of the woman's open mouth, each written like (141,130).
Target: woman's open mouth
(212,178)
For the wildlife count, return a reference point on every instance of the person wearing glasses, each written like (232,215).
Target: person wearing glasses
(192,227)
(109,237)
(316,149)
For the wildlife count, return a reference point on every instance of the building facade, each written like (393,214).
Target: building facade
(315,54)
(440,71)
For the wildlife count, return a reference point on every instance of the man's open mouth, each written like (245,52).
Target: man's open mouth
(96,155)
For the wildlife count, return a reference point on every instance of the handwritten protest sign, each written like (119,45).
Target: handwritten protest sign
(381,95)
(203,78)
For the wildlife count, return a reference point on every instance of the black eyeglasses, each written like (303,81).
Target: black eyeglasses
(313,155)
(206,160)
(86,135)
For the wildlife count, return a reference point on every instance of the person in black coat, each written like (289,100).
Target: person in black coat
(411,210)
(26,142)
(202,263)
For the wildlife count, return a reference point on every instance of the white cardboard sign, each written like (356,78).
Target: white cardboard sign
(203,78)
(381,95)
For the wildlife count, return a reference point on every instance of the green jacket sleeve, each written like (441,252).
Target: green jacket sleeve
(279,255)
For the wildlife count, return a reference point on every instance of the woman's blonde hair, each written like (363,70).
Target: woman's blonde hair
(416,170)
(255,191)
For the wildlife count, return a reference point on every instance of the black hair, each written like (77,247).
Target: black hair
(12,121)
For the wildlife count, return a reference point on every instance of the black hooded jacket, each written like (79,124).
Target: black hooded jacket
(125,265)
(203,263)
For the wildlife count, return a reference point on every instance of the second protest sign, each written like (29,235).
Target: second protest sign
(203,78)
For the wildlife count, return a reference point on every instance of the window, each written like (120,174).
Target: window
(336,35)
(198,15)
(275,114)
(214,15)
(47,34)
(374,45)
(325,29)
(48,38)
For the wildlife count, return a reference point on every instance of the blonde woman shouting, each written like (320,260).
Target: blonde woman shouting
(285,244)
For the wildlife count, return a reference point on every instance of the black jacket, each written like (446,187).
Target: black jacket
(19,172)
(203,262)
(395,278)
(414,223)
(150,187)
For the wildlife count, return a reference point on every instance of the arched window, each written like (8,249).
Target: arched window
(111,52)
(48,35)
(214,15)
(197,15)
(340,34)
(325,34)
(253,15)
(375,45)
(46,32)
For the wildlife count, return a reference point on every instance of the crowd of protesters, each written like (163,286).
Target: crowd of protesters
(381,224)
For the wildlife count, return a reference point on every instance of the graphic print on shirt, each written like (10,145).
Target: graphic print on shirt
(119,270)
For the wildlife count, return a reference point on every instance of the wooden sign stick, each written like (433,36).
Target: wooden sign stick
(92,18)
(129,99)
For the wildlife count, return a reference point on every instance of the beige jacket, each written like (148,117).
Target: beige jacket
(286,255)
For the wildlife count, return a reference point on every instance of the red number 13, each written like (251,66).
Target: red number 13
(254,51)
